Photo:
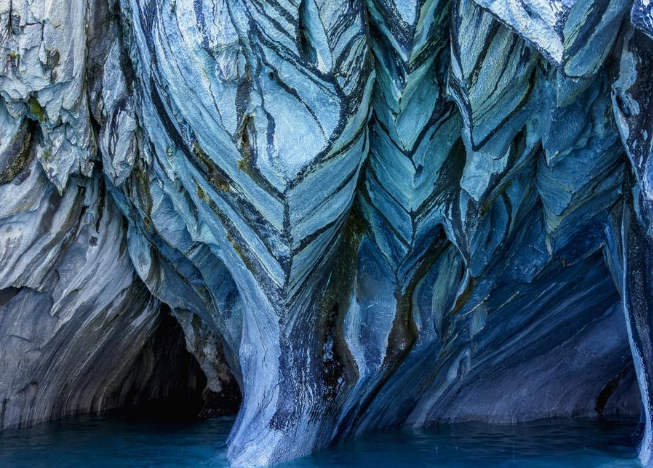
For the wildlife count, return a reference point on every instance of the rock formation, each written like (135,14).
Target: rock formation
(360,214)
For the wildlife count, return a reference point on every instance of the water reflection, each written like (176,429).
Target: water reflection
(115,440)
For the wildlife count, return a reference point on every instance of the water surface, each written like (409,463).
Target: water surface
(114,440)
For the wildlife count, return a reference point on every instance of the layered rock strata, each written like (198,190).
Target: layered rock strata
(362,215)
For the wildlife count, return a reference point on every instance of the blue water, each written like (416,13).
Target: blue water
(129,442)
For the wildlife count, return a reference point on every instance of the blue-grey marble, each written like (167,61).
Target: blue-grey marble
(367,214)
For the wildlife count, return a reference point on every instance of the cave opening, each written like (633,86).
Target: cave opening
(176,387)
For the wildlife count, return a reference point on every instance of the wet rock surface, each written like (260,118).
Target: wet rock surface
(360,215)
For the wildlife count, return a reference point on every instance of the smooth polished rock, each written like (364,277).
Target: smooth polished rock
(361,215)
(574,35)
(79,331)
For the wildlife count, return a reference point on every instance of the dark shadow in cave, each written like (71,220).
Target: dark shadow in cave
(175,385)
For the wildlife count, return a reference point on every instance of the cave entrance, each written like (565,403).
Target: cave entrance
(176,387)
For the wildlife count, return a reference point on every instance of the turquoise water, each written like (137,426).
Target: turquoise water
(130,442)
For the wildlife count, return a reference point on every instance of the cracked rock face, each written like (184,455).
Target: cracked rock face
(361,215)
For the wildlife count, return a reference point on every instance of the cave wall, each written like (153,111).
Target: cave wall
(74,317)
(362,214)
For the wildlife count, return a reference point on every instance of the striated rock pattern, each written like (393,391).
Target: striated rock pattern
(78,330)
(360,214)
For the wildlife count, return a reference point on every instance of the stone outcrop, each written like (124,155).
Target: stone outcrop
(79,331)
(361,214)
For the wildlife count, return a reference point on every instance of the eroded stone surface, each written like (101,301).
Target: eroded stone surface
(574,35)
(642,16)
(77,327)
(362,215)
